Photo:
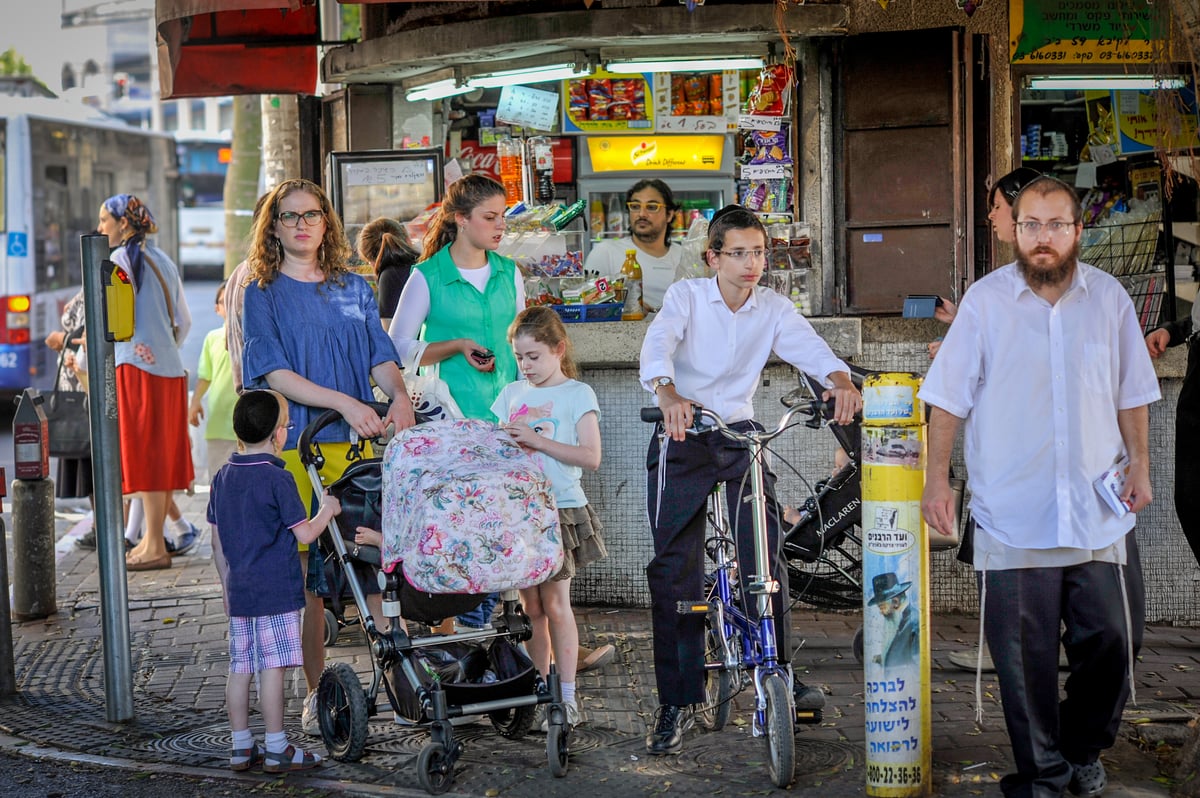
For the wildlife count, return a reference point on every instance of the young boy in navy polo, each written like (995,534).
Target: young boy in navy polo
(258,516)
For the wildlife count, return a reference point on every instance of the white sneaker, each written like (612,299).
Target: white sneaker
(308,719)
(573,717)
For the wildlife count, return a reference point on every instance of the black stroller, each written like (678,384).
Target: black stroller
(489,672)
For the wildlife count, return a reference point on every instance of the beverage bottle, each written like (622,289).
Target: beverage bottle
(616,216)
(631,270)
(596,218)
(542,157)
(508,153)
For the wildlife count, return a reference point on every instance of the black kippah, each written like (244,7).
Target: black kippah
(256,416)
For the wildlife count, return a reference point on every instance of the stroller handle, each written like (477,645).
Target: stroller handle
(308,452)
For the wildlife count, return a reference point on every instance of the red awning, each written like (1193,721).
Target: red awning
(209,48)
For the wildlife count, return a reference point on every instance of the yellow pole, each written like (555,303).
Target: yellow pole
(895,588)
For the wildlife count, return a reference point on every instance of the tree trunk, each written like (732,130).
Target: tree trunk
(241,181)
(281,138)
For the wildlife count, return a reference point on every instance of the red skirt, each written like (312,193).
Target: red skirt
(156,452)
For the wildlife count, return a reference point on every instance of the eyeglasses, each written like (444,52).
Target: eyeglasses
(648,207)
(740,255)
(292,219)
(1035,228)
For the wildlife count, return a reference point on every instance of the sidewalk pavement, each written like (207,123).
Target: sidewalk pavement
(180,659)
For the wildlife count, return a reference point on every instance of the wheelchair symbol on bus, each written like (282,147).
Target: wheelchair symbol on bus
(18,245)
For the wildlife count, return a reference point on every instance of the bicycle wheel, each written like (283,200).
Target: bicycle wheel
(719,683)
(781,740)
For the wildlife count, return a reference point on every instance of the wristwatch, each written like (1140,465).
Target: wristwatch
(662,382)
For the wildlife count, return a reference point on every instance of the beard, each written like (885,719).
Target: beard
(891,625)
(1054,272)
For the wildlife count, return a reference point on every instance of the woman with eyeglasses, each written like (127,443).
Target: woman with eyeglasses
(312,333)
(651,206)
(152,396)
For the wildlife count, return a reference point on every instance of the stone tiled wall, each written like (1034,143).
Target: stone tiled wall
(618,489)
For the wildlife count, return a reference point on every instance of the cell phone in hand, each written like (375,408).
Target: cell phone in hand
(482,355)
(921,306)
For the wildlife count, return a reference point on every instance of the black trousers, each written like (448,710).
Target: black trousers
(1187,470)
(1022,616)
(676,573)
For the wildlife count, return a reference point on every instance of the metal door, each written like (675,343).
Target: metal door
(902,177)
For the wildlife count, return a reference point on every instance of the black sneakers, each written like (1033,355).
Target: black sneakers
(807,698)
(670,724)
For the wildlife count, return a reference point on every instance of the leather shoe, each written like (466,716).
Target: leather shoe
(595,658)
(134,563)
(670,724)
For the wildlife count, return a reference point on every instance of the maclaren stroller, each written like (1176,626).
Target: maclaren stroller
(460,506)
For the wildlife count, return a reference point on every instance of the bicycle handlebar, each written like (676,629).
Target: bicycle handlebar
(653,415)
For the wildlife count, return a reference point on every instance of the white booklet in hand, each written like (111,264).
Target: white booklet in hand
(1110,484)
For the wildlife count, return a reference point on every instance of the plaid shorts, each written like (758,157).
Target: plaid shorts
(263,642)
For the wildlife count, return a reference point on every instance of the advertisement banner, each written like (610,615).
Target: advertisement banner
(1097,32)
(656,153)
(608,102)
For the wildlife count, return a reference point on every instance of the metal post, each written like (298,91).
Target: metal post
(8,674)
(895,588)
(106,486)
(33,588)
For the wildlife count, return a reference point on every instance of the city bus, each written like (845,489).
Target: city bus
(203,162)
(58,162)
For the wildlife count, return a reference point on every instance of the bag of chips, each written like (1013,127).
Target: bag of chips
(769,96)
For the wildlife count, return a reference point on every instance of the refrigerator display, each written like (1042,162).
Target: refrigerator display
(399,184)
(698,169)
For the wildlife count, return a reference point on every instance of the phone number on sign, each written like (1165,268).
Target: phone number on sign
(888,775)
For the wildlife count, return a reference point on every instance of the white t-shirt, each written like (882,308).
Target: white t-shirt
(607,257)
(553,413)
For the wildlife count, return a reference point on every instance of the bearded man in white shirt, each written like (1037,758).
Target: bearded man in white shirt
(707,347)
(1045,362)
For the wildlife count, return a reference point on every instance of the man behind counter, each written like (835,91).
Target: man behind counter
(651,207)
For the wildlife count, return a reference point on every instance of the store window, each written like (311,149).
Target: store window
(1107,139)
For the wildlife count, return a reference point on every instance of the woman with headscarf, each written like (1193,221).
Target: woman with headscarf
(152,396)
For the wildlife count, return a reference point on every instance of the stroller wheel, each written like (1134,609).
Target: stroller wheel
(435,770)
(557,749)
(857,645)
(331,628)
(342,712)
(513,723)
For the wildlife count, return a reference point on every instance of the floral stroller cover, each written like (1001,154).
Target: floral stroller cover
(466,510)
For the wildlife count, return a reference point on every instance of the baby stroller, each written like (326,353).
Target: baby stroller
(428,680)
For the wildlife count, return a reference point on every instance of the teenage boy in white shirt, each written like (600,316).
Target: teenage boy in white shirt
(707,347)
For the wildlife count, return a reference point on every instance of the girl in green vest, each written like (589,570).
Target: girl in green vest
(457,304)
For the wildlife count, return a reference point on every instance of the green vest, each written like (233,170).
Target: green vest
(458,310)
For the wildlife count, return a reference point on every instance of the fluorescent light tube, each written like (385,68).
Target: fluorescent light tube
(514,77)
(1107,82)
(435,91)
(686,65)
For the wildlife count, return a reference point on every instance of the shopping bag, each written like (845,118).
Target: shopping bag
(67,423)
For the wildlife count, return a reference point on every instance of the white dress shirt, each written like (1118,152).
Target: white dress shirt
(413,309)
(716,355)
(1040,386)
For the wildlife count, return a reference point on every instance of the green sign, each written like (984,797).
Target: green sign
(1083,31)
